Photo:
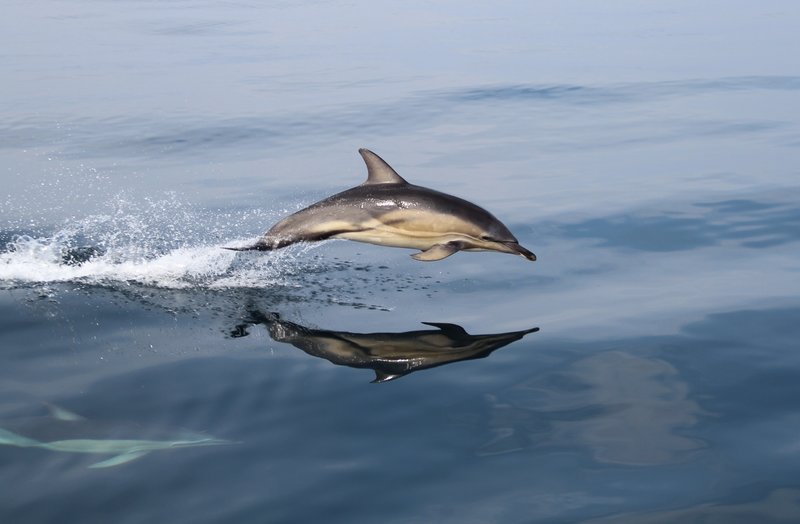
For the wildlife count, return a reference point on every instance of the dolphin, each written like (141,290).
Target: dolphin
(388,211)
(68,432)
(390,355)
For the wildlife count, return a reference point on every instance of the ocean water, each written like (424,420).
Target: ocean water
(645,369)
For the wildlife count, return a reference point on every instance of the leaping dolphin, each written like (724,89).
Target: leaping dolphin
(388,211)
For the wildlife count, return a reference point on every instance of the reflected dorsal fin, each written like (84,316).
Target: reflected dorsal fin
(378,171)
(382,376)
(453,330)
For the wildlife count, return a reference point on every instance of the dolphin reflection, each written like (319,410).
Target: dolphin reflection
(390,355)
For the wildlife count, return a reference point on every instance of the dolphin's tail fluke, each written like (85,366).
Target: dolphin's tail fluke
(244,248)
(270,242)
(261,245)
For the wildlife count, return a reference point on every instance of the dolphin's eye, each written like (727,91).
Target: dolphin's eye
(486,237)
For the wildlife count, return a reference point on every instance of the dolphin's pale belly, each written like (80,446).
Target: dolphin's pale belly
(410,228)
(389,236)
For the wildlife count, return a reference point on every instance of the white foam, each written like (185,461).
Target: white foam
(37,260)
(153,243)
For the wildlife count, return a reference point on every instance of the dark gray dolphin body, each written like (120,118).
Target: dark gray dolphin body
(386,210)
(390,355)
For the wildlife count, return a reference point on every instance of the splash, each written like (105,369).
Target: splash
(134,247)
(159,243)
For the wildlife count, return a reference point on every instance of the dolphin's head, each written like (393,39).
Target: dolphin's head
(505,246)
(495,236)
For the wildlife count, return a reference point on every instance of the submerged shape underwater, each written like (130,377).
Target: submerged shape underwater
(644,369)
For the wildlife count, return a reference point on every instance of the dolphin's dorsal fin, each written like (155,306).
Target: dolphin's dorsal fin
(378,171)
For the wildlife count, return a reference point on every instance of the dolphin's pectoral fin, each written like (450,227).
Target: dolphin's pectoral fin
(119,459)
(260,245)
(437,252)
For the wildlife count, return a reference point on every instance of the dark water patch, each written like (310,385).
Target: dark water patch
(752,504)
(203,138)
(523,92)
(746,223)
(758,225)
(718,395)
(670,131)
(200,138)
(777,325)
(646,233)
(580,94)
(737,205)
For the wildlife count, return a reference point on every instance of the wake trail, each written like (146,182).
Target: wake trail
(159,243)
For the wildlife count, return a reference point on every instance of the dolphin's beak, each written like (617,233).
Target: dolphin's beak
(519,250)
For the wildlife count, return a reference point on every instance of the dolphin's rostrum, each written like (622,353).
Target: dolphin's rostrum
(388,211)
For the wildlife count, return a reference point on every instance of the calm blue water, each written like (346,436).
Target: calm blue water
(647,154)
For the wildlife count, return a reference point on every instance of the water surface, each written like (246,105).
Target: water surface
(648,156)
